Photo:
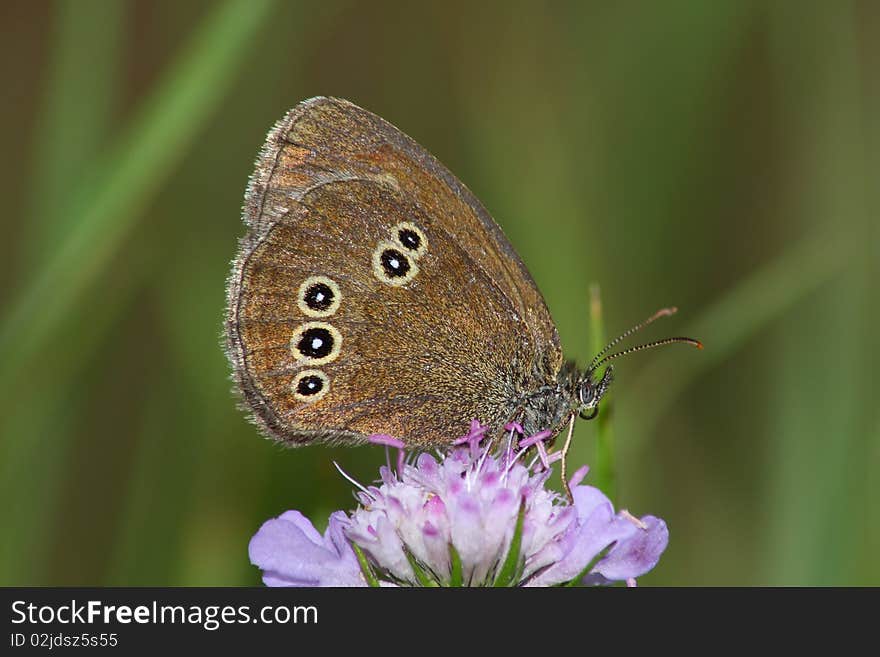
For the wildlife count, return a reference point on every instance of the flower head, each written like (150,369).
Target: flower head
(472,517)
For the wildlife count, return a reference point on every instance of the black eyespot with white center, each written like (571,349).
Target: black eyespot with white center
(409,239)
(392,266)
(316,343)
(395,263)
(318,296)
(310,385)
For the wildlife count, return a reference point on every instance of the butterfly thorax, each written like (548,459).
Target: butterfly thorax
(550,406)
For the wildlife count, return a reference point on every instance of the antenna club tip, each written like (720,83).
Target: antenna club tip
(698,344)
(663,312)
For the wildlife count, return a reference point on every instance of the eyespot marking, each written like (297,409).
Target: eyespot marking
(318,296)
(310,385)
(316,343)
(392,265)
(411,238)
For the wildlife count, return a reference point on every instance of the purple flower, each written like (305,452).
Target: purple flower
(469,517)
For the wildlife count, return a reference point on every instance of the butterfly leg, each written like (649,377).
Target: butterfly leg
(563,470)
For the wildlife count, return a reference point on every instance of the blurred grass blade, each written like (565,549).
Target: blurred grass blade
(820,444)
(99,217)
(79,104)
(153,146)
(737,316)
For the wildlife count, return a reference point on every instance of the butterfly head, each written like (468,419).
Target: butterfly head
(590,391)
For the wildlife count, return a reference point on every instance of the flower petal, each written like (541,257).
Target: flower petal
(585,539)
(636,554)
(291,552)
(586,500)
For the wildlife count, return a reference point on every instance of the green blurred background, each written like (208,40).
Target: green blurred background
(719,156)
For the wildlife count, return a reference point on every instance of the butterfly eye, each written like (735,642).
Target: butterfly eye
(392,266)
(316,343)
(411,238)
(310,385)
(318,296)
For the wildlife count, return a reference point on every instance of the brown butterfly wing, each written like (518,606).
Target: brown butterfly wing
(467,337)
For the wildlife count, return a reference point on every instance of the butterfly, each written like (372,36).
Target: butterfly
(374,294)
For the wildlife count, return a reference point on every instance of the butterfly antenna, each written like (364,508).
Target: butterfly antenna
(647,345)
(663,312)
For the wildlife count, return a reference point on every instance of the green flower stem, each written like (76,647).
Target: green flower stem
(366,569)
(456,578)
(509,571)
(604,463)
(425,579)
